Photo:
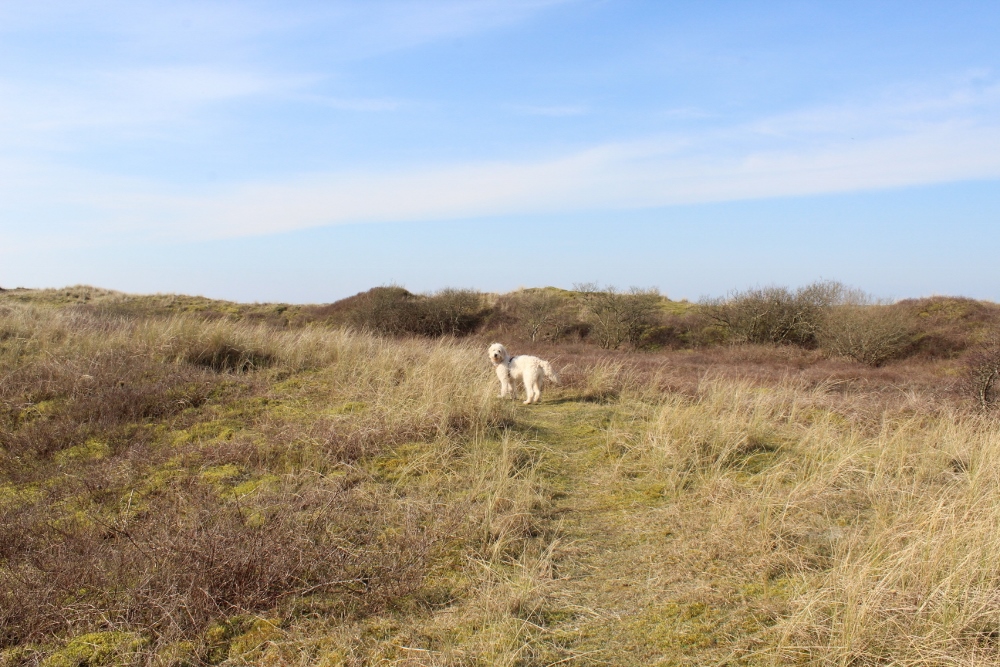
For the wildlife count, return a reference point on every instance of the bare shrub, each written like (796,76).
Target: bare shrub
(451,312)
(539,314)
(389,310)
(982,370)
(619,317)
(866,331)
(393,311)
(775,314)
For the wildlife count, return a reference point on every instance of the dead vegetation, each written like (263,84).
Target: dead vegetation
(181,489)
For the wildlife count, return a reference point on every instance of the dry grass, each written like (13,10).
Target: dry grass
(161,475)
(873,535)
(179,490)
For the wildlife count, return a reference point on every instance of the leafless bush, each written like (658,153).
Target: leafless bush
(982,369)
(538,314)
(843,321)
(389,310)
(870,334)
(775,314)
(619,317)
(394,311)
(451,312)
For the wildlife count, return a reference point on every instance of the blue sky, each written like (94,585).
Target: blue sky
(304,151)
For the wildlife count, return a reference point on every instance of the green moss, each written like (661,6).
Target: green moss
(19,656)
(97,649)
(252,642)
(252,485)
(40,410)
(677,627)
(13,497)
(393,466)
(210,431)
(160,478)
(92,450)
(380,628)
(238,637)
(781,588)
(220,475)
(178,654)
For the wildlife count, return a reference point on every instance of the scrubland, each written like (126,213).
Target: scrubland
(185,482)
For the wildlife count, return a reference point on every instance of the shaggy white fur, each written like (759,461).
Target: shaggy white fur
(530,370)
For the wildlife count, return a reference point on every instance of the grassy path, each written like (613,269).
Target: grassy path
(634,583)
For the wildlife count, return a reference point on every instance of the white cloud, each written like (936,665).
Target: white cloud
(815,151)
(896,111)
(47,114)
(644,174)
(195,54)
(649,173)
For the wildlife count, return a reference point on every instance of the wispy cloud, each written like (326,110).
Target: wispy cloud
(60,114)
(615,176)
(197,54)
(746,162)
(974,94)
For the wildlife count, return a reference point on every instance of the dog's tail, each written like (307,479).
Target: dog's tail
(549,373)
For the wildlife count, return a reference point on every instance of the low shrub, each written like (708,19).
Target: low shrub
(194,556)
(450,312)
(386,310)
(393,311)
(615,317)
(775,314)
(871,334)
(982,370)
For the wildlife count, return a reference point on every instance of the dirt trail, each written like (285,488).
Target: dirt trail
(633,586)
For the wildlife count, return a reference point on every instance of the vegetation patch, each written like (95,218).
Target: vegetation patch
(326,491)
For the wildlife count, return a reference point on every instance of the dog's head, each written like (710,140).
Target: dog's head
(497,353)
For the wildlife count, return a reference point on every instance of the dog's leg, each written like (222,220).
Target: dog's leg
(530,386)
(504,376)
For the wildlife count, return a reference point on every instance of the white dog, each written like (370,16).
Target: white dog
(530,370)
